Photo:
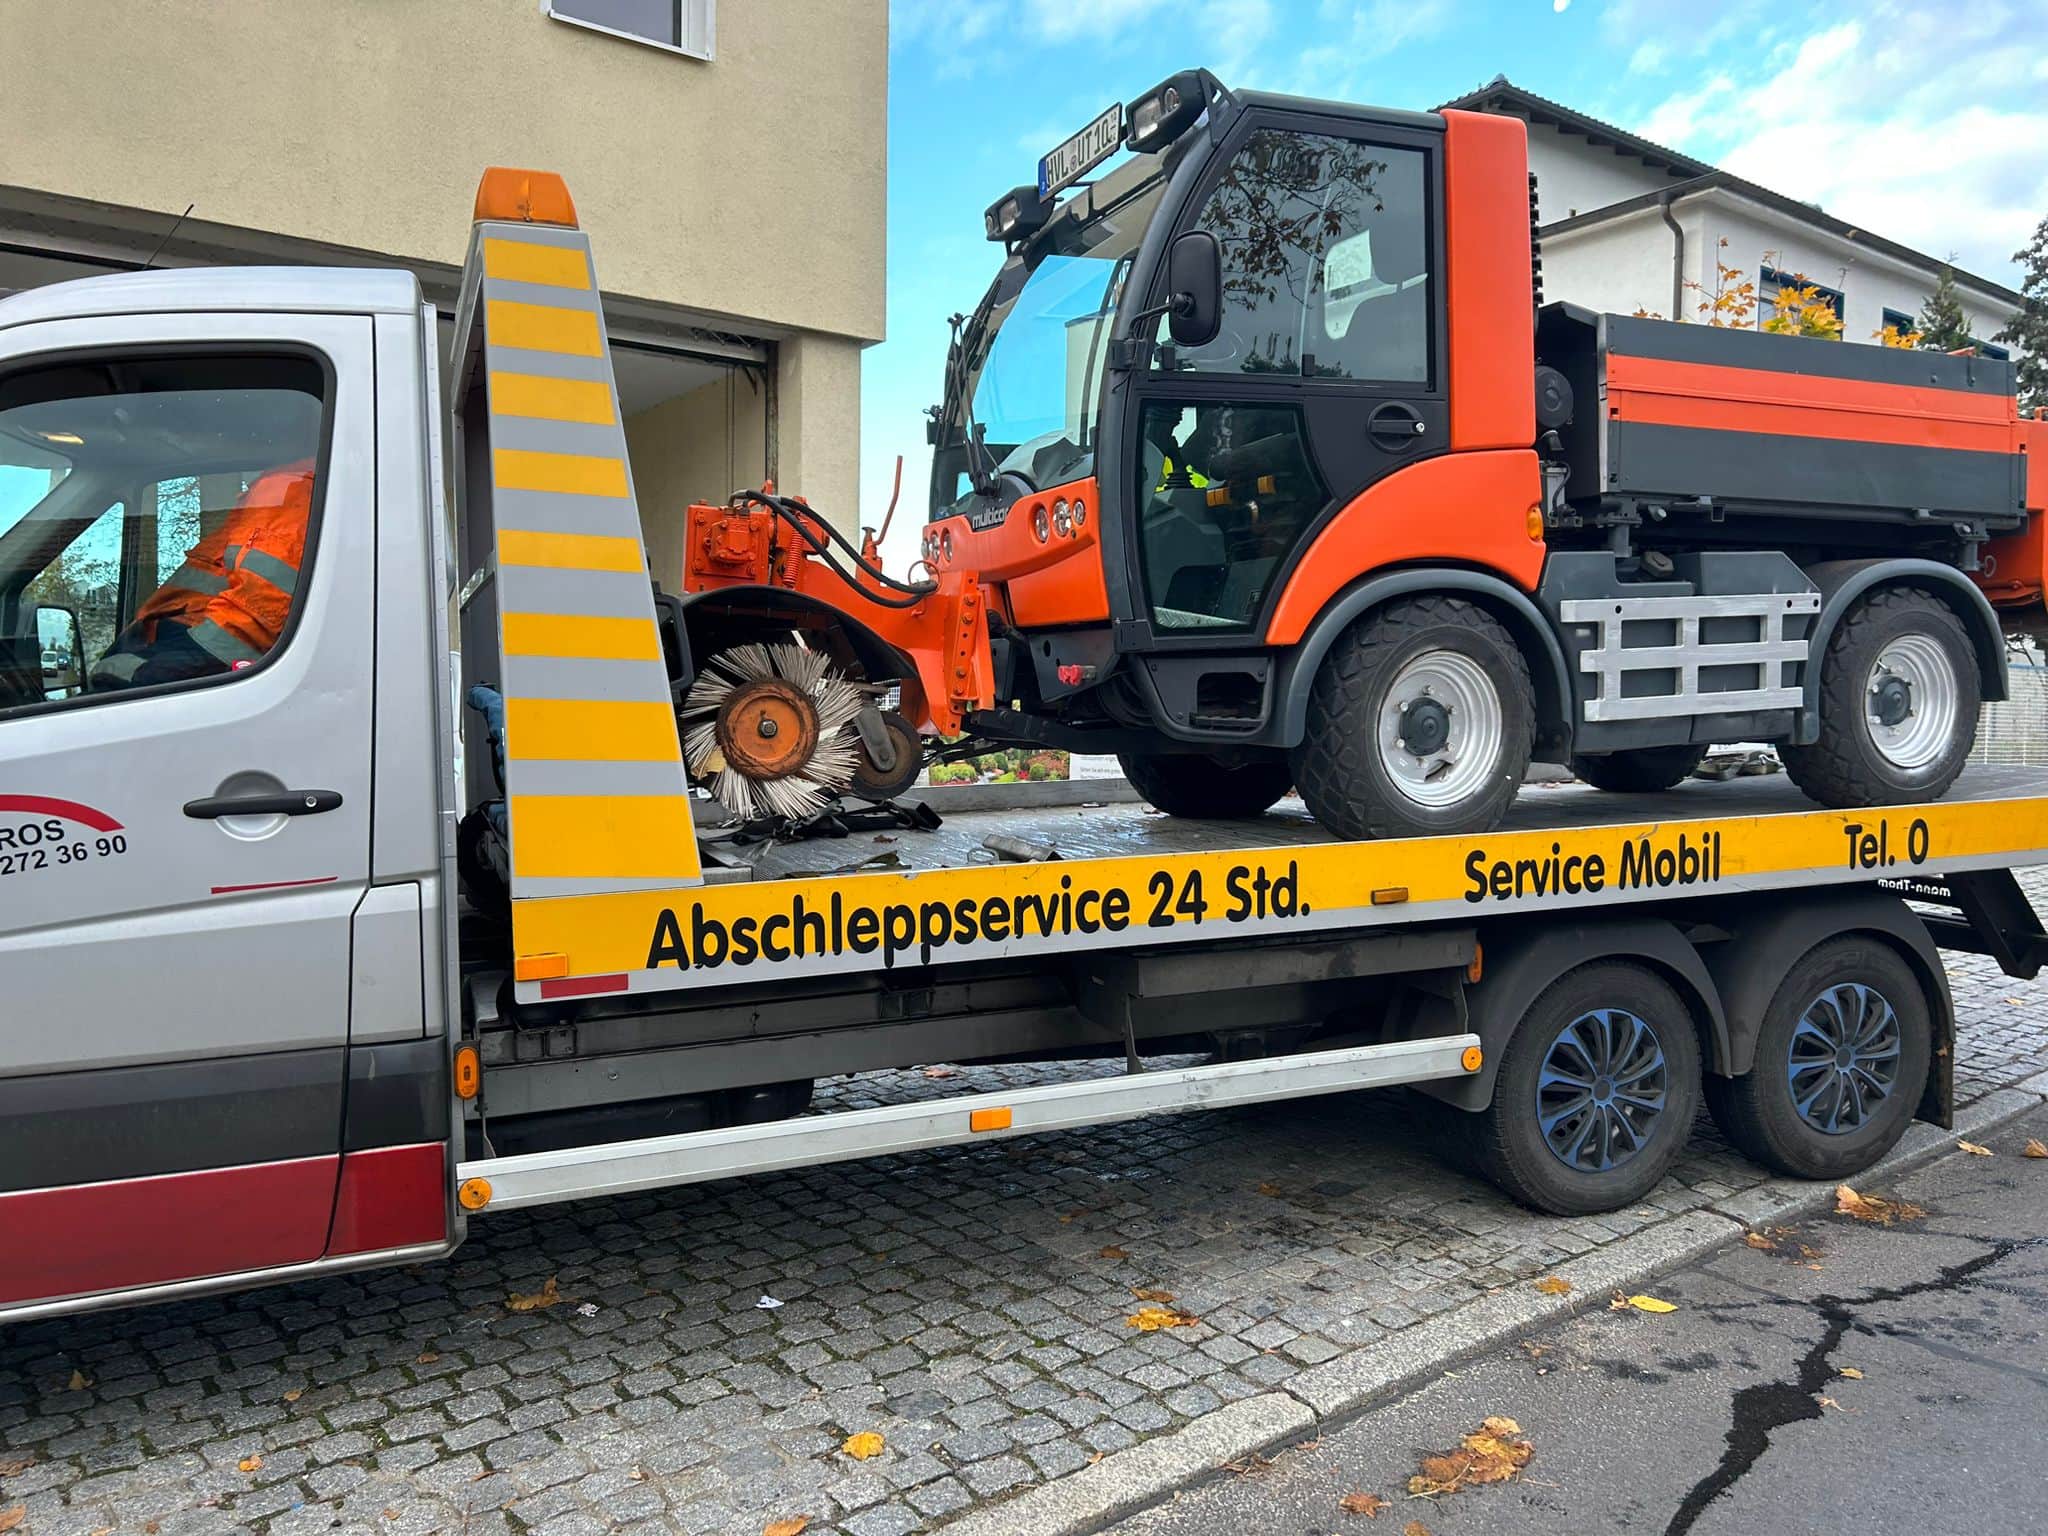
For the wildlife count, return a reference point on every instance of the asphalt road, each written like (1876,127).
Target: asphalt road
(1736,1413)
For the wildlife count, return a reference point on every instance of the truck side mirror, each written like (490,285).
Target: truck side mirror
(1194,279)
(59,644)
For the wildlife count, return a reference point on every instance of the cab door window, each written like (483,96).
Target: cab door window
(154,521)
(1325,245)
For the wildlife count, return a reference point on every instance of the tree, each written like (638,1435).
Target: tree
(1943,325)
(2027,334)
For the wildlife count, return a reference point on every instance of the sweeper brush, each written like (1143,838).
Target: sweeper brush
(768,729)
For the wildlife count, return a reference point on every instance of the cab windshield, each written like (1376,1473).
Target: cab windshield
(1034,369)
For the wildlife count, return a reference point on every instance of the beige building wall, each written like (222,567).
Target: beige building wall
(702,446)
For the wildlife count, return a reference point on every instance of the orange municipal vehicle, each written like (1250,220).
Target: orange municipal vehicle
(1263,464)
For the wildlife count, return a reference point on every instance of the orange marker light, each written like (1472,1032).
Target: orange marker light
(1472,1058)
(469,1071)
(1536,522)
(474,1194)
(512,196)
(1477,968)
(1390,895)
(988,1119)
(545,966)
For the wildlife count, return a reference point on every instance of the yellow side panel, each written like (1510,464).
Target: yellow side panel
(580,634)
(625,837)
(591,730)
(542,328)
(528,394)
(522,261)
(568,551)
(563,474)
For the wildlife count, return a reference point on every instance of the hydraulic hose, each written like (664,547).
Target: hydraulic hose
(801,517)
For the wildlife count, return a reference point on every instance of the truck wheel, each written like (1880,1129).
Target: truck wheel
(1841,1058)
(1643,771)
(1421,721)
(1899,696)
(1596,1093)
(1188,784)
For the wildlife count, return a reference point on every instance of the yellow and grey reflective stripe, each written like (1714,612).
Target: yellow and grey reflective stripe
(194,578)
(594,778)
(222,646)
(273,570)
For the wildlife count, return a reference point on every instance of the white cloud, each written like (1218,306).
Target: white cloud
(1065,21)
(1894,121)
(1340,66)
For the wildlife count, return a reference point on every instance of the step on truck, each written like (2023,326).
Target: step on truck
(251,1030)
(1268,466)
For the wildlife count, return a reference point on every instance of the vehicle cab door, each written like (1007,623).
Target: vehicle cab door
(187,541)
(1325,375)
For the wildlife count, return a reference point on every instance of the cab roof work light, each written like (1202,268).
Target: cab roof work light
(1167,111)
(1018,213)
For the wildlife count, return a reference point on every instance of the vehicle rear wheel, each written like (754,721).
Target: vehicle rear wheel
(1421,721)
(1840,1060)
(1189,784)
(1596,1093)
(1899,698)
(1643,771)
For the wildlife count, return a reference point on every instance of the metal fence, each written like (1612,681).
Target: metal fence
(2014,734)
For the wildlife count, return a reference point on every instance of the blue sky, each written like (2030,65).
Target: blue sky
(1924,120)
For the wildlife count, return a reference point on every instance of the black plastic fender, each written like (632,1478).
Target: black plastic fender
(770,605)
(1556,708)
(1841,582)
(1519,961)
(1767,936)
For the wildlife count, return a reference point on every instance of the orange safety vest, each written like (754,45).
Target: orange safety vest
(234,592)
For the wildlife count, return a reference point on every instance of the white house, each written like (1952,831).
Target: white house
(1627,224)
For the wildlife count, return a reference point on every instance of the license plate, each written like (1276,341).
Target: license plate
(1082,153)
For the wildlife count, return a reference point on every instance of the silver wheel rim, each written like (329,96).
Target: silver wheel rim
(1913,671)
(1465,761)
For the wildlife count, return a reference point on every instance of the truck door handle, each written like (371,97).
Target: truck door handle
(1394,426)
(284,802)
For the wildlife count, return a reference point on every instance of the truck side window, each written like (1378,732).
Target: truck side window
(155,520)
(1226,492)
(1325,262)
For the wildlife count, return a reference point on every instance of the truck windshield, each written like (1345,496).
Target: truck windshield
(1034,370)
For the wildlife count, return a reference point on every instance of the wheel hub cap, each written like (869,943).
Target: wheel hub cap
(1425,727)
(767,729)
(1601,1090)
(1843,1060)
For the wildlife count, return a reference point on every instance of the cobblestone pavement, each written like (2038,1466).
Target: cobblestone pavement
(967,1304)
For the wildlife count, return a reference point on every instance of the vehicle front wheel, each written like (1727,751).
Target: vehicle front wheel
(1899,698)
(1643,771)
(1189,784)
(1421,721)
(1596,1094)
(1841,1058)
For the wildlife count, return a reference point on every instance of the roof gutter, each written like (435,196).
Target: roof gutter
(1677,255)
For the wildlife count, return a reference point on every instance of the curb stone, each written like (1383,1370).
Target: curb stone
(1088,1500)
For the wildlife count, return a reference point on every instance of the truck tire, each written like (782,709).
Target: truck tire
(1841,1057)
(1642,771)
(1421,721)
(1561,1135)
(1191,785)
(1899,697)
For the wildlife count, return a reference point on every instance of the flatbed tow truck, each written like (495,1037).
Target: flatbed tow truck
(250,1033)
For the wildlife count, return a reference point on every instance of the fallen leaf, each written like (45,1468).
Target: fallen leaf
(249,1464)
(1269,1189)
(295,1394)
(1145,1293)
(80,1381)
(390,1514)
(149,1528)
(1069,1216)
(2033,1148)
(16,1466)
(1152,1319)
(1759,1241)
(547,1296)
(1873,1208)
(1493,1453)
(1829,1402)
(10,1518)
(936,1072)
(1554,1285)
(1973,1149)
(1641,1304)
(863,1445)
(1366,1504)
(795,1525)
(1114,1252)
(1097,1456)
(1852,1373)
(426,1358)
(1414,1528)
